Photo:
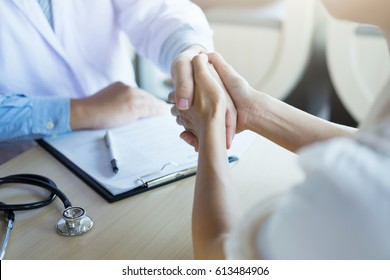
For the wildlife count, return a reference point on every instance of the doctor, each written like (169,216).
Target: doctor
(63,64)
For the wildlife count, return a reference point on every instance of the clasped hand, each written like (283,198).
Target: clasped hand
(220,94)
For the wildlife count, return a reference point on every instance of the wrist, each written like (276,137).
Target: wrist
(211,131)
(257,109)
(78,115)
(212,113)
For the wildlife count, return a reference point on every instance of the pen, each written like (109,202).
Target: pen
(111,146)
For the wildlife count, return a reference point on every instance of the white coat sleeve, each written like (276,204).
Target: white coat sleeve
(160,29)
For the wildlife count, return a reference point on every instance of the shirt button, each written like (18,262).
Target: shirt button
(50,125)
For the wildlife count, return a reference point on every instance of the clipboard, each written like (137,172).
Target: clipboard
(156,156)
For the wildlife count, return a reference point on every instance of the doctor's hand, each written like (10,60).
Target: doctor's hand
(183,82)
(115,105)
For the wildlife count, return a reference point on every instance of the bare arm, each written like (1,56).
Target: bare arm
(288,126)
(215,207)
(283,124)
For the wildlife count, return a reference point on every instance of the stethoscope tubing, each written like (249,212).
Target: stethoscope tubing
(38,181)
(34,180)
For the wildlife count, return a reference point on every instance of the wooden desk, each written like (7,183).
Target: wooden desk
(152,225)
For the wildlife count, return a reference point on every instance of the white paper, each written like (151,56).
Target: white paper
(143,148)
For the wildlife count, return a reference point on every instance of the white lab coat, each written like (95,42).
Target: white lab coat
(85,52)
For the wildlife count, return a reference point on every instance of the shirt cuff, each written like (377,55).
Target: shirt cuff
(51,116)
(180,40)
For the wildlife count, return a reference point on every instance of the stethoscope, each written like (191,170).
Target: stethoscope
(74,220)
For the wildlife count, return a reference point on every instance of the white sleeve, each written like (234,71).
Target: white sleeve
(341,211)
(151,23)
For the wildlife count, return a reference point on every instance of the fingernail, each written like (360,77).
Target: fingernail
(183,104)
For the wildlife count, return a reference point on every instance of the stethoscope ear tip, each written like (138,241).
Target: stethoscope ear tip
(74,222)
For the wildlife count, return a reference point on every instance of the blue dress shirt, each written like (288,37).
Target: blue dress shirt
(22,117)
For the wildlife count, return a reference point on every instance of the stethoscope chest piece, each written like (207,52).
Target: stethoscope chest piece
(74,222)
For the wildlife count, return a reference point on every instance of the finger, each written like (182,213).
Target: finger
(200,64)
(179,121)
(231,123)
(183,82)
(190,139)
(174,111)
(218,60)
(172,97)
(225,70)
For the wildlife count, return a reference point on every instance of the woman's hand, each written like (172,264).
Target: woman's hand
(241,93)
(115,105)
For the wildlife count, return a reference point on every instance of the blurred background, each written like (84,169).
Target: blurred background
(294,51)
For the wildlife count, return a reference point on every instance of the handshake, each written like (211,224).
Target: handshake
(218,95)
